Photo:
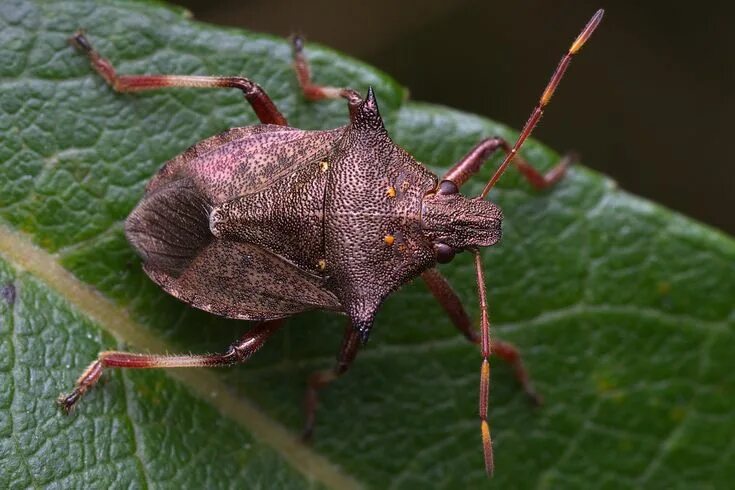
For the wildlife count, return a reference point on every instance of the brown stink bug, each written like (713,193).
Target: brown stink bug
(262,222)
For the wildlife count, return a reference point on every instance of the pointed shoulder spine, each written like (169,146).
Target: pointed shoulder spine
(366,115)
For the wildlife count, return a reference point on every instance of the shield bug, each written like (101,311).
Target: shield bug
(263,222)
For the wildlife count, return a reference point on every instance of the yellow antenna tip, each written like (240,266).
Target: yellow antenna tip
(587,31)
(487,444)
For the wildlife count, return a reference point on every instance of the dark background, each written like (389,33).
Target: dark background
(649,101)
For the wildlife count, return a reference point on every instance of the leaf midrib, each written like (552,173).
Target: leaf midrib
(23,254)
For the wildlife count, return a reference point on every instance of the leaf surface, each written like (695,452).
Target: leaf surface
(623,310)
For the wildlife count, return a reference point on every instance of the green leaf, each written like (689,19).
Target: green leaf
(623,310)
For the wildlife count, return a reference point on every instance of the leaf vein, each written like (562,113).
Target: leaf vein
(23,254)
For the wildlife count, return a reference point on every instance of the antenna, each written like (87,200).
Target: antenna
(538,111)
(485,344)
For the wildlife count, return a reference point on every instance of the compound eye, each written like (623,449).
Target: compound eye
(447,187)
(444,253)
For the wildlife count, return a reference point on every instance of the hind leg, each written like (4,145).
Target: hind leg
(238,352)
(263,106)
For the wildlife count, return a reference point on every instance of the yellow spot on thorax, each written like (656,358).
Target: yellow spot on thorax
(322,264)
(324,165)
(389,239)
(391,192)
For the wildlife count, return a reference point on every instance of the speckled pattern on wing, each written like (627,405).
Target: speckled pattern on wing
(245,160)
(286,218)
(243,281)
(267,221)
(170,227)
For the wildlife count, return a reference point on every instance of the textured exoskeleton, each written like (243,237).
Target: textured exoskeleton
(263,222)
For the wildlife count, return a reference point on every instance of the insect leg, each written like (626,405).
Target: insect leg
(320,379)
(263,106)
(303,74)
(448,299)
(238,352)
(472,161)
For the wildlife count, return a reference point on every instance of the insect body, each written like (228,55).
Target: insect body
(264,222)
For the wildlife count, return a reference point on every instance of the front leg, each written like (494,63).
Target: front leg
(472,161)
